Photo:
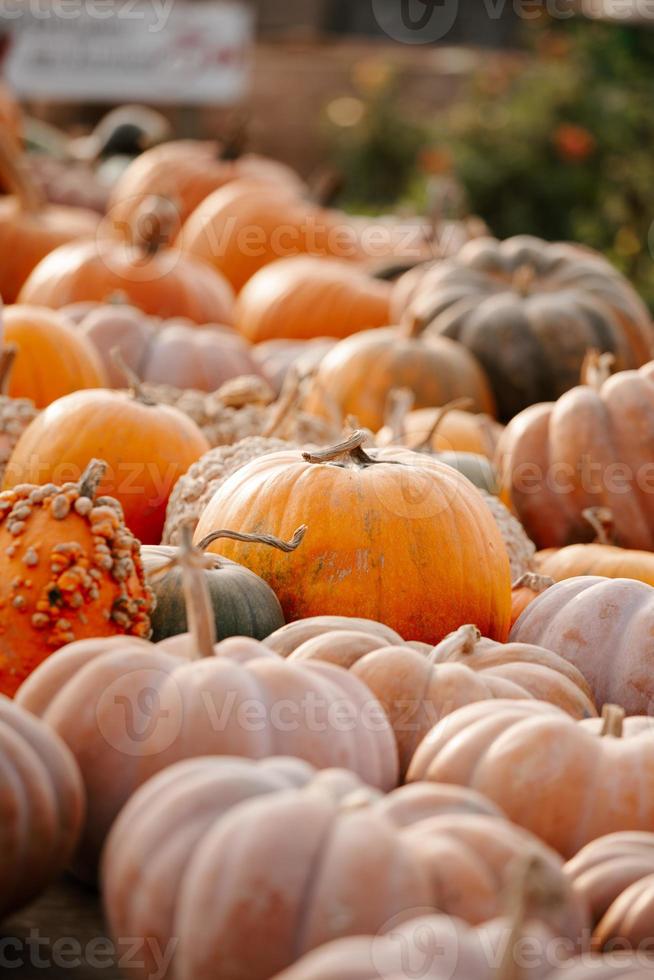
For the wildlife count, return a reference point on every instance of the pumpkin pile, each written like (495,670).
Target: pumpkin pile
(326,590)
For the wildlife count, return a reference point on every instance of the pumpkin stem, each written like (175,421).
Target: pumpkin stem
(236,138)
(351,447)
(7,358)
(523,279)
(534,582)
(399,403)
(268,539)
(412,325)
(16,176)
(325,186)
(134,383)
(461,404)
(533,889)
(602,522)
(199,612)
(596,368)
(91,478)
(612,721)
(288,399)
(154,225)
(461,642)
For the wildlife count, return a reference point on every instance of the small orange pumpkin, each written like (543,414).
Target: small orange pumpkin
(69,568)
(147,447)
(52,359)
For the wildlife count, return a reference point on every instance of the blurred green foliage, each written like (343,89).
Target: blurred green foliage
(559,144)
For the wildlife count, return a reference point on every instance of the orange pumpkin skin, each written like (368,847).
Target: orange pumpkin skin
(26,237)
(605,560)
(606,867)
(303,298)
(41,783)
(242,700)
(605,628)
(358,375)
(559,459)
(628,921)
(69,568)
(170,352)
(166,284)
(147,448)
(243,227)
(185,172)
(330,858)
(52,359)
(383,539)
(417,690)
(558,778)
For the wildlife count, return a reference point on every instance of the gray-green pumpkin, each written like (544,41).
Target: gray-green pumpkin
(243,604)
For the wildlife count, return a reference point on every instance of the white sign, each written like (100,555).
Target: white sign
(155,51)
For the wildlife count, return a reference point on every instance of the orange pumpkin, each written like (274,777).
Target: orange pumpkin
(52,359)
(359,374)
(384,537)
(41,806)
(605,628)
(147,447)
(416,690)
(244,226)
(168,352)
(30,228)
(158,280)
(69,568)
(235,698)
(187,171)
(589,449)
(455,431)
(223,842)
(565,782)
(602,557)
(304,297)
(10,115)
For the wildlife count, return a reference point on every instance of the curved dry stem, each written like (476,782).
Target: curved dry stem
(199,610)
(133,382)
(7,358)
(457,404)
(267,539)
(351,447)
(91,478)
(16,176)
(287,401)
(602,522)
(399,403)
(612,721)
(534,582)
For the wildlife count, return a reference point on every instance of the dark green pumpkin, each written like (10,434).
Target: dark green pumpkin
(243,604)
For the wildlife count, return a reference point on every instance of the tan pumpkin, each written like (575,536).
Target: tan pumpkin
(567,782)
(303,298)
(602,557)
(286,640)
(606,867)
(187,171)
(358,375)
(277,357)
(29,227)
(628,922)
(384,537)
(169,352)
(416,690)
(128,708)
(41,806)
(589,449)
(215,845)
(605,628)
(529,310)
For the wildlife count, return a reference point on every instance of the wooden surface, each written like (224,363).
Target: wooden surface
(61,936)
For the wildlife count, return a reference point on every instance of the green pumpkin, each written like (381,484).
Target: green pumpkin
(243,604)
(478,469)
